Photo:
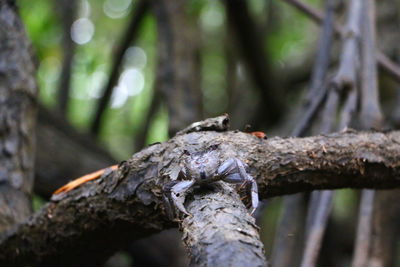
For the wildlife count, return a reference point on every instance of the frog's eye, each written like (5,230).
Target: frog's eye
(186,152)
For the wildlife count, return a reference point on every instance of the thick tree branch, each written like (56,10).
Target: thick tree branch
(220,228)
(69,154)
(126,204)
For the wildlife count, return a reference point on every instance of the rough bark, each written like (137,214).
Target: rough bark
(126,204)
(64,154)
(220,228)
(17,118)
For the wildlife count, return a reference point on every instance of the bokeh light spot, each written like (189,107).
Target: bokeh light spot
(82,31)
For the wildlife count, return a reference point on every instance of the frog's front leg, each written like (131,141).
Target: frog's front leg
(178,193)
(234,171)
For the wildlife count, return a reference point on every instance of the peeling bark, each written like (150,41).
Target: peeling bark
(126,204)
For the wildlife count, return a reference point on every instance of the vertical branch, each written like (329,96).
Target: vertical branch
(288,236)
(344,83)
(364,229)
(319,218)
(385,63)
(370,116)
(370,113)
(128,36)
(67,10)
(252,49)
(18,92)
(322,61)
(177,73)
(385,228)
(316,97)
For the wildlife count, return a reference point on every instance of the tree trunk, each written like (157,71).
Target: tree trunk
(17,118)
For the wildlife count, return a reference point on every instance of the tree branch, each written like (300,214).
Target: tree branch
(18,92)
(385,63)
(177,76)
(127,204)
(220,228)
(66,10)
(251,48)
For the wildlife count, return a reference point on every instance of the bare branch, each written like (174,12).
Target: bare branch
(315,98)
(384,62)
(317,227)
(252,50)
(289,234)
(385,230)
(127,204)
(323,56)
(67,11)
(370,112)
(178,68)
(364,229)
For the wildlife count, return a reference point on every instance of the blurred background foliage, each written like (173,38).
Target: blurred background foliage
(97,30)
(289,41)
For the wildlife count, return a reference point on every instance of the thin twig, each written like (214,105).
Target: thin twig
(310,113)
(348,110)
(319,220)
(323,56)
(128,36)
(67,9)
(370,111)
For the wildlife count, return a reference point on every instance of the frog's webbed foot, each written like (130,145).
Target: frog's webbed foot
(234,171)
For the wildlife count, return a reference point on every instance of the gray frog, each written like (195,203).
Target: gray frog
(205,167)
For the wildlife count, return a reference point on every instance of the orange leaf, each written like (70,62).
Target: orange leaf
(83,179)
